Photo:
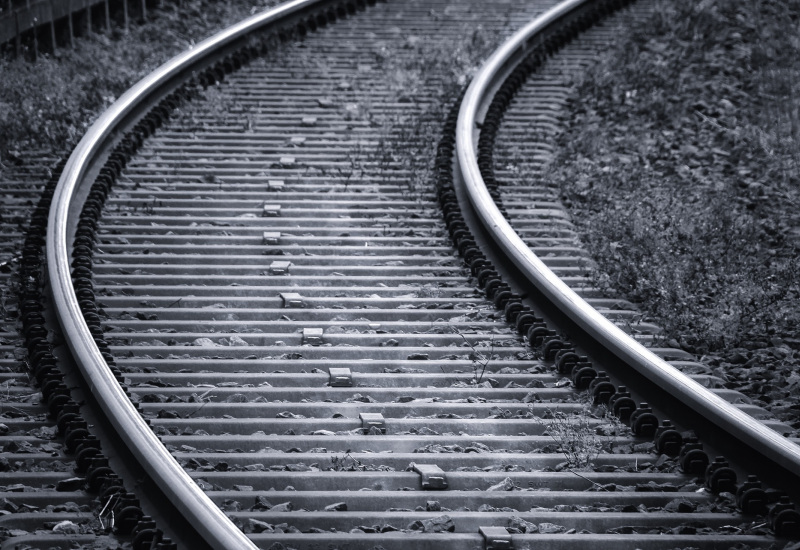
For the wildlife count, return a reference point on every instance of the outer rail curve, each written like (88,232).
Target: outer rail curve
(212,524)
(738,424)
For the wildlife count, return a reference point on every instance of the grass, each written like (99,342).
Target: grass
(48,105)
(433,66)
(682,163)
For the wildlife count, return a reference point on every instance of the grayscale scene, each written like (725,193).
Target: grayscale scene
(400,274)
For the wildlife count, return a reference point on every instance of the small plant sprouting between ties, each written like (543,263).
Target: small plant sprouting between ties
(575,437)
(480,362)
(580,439)
(347,463)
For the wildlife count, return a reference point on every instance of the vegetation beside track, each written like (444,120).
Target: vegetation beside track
(684,151)
(682,167)
(47,106)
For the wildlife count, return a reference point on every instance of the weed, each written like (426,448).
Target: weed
(149,208)
(435,66)
(347,463)
(575,436)
(480,362)
(579,436)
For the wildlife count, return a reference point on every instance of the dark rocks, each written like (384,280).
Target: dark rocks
(230,505)
(71,484)
(551,528)
(256,526)
(506,485)
(680,506)
(519,525)
(66,528)
(261,504)
(434,525)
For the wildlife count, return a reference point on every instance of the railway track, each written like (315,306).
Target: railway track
(293,317)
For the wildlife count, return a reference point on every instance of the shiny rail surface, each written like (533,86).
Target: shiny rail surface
(282,225)
(741,426)
(178,486)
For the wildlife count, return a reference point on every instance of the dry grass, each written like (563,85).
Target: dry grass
(48,105)
(682,163)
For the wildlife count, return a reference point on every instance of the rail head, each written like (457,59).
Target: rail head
(728,418)
(212,524)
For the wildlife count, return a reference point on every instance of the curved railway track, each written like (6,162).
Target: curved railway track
(266,267)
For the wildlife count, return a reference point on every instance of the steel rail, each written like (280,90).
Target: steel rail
(728,418)
(184,494)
